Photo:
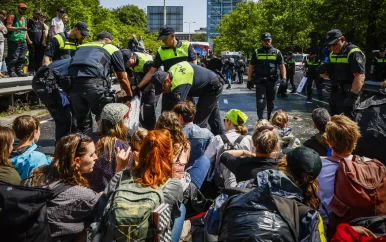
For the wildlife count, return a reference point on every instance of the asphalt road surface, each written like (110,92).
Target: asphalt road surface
(237,97)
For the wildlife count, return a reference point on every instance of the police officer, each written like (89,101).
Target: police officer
(263,71)
(209,57)
(59,48)
(186,79)
(290,69)
(137,65)
(172,52)
(312,75)
(378,67)
(346,71)
(90,68)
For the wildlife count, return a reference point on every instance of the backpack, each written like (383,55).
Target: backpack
(127,216)
(360,189)
(23,212)
(215,174)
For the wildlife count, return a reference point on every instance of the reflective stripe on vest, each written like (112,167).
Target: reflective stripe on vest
(142,59)
(182,51)
(383,60)
(342,58)
(182,73)
(266,56)
(291,61)
(311,63)
(64,44)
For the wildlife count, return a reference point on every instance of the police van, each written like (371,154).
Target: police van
(299,59)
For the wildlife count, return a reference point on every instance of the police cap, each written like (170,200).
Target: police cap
(104,34)
(83,28)
(266,36)
(126,56)
(165,31)
(383,48)
(159,78)
(333,37)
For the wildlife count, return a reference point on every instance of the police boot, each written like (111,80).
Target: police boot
(293,90)
(20,72)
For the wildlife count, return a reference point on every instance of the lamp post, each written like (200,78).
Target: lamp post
(189,27)
(164,12)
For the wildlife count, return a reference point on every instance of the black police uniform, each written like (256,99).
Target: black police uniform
(379,63)
(59,48)
(90,68)
(266,63)
(149,99)
(313,76)
(341,68)
(168,56)
(188,79)
(290,69)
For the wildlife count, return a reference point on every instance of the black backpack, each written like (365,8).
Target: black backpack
(23,212)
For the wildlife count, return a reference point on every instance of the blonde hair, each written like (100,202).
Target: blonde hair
(267,140)
(137,138)
(342,134)
(109,134)
(280,119)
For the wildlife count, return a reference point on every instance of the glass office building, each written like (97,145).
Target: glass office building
(174,17)
(216,10)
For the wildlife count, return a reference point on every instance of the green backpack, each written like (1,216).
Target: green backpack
(128,214)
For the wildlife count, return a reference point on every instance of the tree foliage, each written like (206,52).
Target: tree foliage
(301,25)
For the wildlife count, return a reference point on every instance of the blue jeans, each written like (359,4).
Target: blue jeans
(228,76)
(178,224)
(198,171)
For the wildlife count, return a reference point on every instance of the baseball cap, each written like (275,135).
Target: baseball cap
(22,5)
(233,115)
(266,36)
(36,11)
(303,160)
(61,10)
(126,53)
(165,31)
(114,112)
(104,34)
(159,77)
(332,36)
(83,28)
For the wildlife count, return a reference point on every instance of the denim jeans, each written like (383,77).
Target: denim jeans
(199,170)
(16,56)
(178,224)
(228,76)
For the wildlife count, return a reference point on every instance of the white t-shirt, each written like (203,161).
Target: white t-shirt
(59,26)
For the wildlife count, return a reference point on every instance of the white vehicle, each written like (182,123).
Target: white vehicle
(299,58)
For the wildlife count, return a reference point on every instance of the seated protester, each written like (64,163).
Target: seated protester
(235,137)
(112,134)
(281,207)
(267,144)
(199,137)
(70,212)
(7,172)
(288,140)
(342,136)
(371,119)
(320,116)
(136,142)
(154,169)
(24,156)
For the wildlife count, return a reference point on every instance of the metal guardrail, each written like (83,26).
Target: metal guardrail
(369,86)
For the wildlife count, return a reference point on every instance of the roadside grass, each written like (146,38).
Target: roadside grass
(19,107)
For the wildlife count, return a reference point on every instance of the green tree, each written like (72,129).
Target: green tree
(131,15)
(198,37)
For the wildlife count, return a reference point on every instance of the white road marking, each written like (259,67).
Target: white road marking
(312,99)
(225,101)
(45,121)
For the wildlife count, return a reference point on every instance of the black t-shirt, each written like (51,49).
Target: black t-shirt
(246,168)
(192,55)
(35,31)
(132,44)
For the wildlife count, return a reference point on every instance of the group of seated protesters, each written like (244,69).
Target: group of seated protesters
(180,157)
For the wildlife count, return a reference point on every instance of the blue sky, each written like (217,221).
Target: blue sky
(194,10)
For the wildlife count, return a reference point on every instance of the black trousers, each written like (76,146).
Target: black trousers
(265,98)
(310,80)
(35,57)
(149,102)
(338,95)
(16,56)
(88,96)
(290,79)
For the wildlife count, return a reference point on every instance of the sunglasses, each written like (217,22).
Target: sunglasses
(225,120)
(82,138)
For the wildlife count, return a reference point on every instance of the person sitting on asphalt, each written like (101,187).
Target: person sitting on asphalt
(199,137)
(112,134)
(244,164)
(236,136)
(287,138)
(342,135)
(71,212)
(7,172)
(136,142)
(320,117)
(371,119)
(281,201)
(24,156)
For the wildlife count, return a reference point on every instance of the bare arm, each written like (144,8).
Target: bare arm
(124,82)
(28,39)
(359,80)
(250,71)
(146,79)
(283,71)
(10,28)
(46,60)
(194,62)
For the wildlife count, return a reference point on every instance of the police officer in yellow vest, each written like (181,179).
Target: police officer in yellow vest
(64,46)
(186,79)
(172,52)
(378,67)
(90,68)
(346,71)
(137,65)
(263,71)
(312,75)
